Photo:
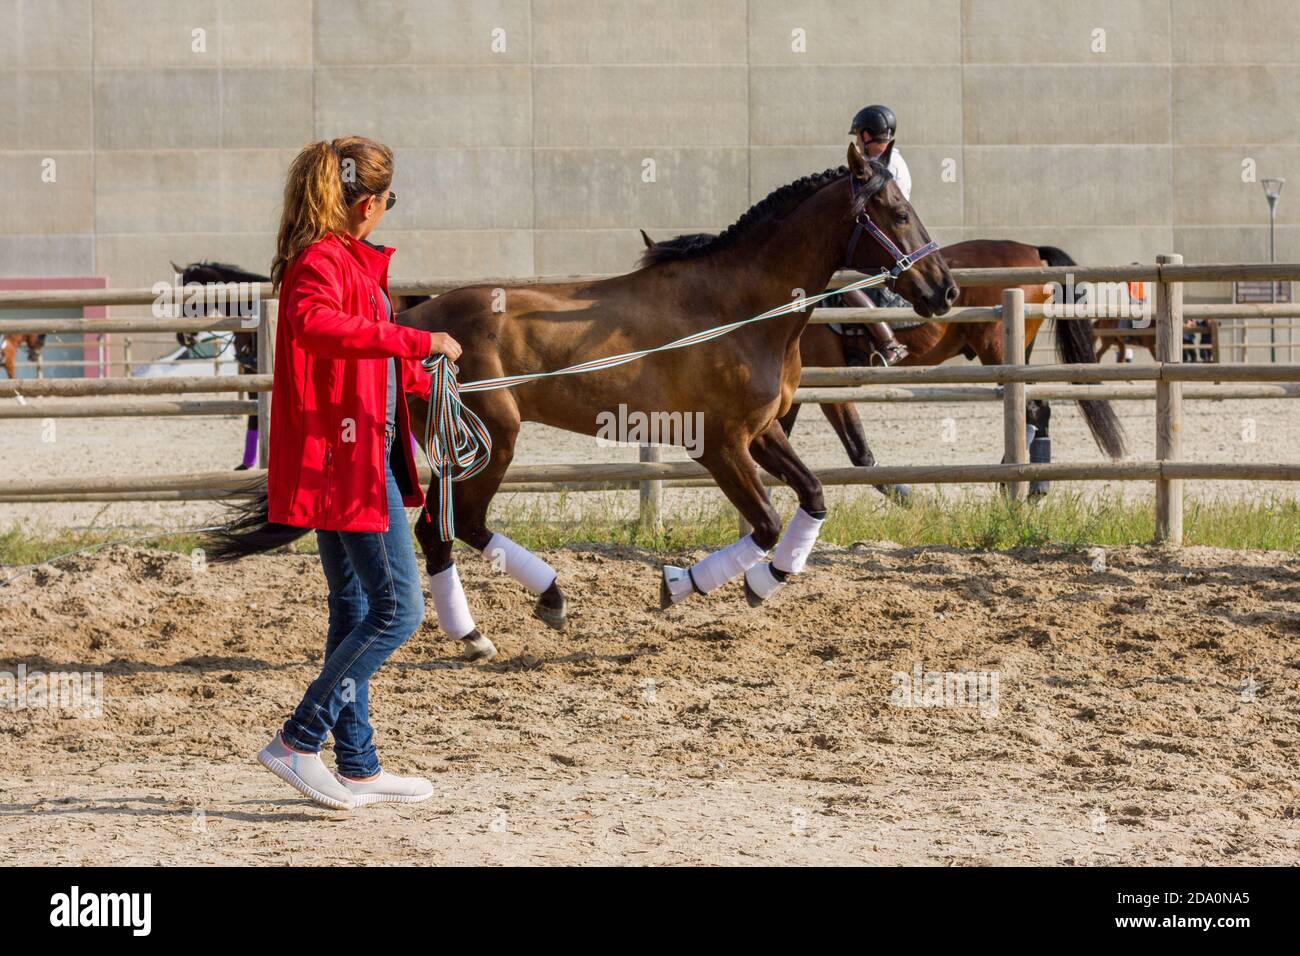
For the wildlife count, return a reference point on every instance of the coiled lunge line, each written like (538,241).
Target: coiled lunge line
(459,445)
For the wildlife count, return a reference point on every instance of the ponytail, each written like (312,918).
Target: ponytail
(324,180)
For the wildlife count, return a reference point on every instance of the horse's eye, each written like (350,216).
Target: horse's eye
(904,219)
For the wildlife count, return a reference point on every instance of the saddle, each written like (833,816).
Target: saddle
(859,346)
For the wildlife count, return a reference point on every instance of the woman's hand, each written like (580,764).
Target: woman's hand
(440,343)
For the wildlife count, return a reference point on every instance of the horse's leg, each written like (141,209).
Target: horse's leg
(454,617)
(845,420)
(449,601)
(737,475)
(788,419)
(1038,417)
(772,450)
(470,501)
(821,346)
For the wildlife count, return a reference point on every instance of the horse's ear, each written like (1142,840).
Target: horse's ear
(857,162)
(649,243)
(177,269)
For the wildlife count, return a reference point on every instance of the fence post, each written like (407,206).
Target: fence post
(652,493)
(1015,448)
(1169,405)
(267,312)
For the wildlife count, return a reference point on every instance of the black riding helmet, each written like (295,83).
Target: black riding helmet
(879,123)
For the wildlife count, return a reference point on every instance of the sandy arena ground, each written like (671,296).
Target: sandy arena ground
(1146,712)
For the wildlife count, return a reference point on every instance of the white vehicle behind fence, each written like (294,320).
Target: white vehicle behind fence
(213,353)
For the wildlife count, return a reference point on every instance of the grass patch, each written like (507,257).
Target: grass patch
(1063,520)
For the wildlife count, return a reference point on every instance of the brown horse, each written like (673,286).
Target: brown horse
(738,385)
(932,343)
(9,350)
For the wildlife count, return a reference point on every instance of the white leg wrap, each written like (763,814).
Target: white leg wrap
(449,601)
(791,552)
(520,563)
(721,566)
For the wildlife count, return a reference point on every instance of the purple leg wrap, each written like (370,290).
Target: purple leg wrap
(250,448)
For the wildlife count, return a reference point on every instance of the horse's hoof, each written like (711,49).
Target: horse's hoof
(768,583)
(478,648)
(554,617)
(675,586)
(1038,490)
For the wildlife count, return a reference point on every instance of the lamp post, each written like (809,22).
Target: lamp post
(1272,190)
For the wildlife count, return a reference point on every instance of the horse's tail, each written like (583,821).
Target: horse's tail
(1074,346)
(248,531)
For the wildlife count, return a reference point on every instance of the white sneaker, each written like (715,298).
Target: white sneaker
(387,788)
(306,774)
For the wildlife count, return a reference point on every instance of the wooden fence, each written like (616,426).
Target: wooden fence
(1011,384)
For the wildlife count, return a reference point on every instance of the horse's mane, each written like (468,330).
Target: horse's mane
(776,204)
(233,273)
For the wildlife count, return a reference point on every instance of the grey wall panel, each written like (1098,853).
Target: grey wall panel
(421,32)
(611,188)
(1092,32)
(521,126)
(639,31)
(426,106)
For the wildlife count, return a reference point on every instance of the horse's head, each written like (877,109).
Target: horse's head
(884,217)
(237,298)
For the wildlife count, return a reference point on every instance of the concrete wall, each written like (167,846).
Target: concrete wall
(529,159)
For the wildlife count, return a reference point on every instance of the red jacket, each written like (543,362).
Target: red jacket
(332,347)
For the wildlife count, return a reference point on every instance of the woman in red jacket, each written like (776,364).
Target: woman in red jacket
(341,458)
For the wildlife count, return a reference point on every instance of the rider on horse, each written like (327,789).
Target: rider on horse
(874,128)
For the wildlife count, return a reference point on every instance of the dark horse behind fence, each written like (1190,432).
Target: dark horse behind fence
(738,386)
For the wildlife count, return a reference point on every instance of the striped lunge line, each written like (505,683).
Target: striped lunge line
(458,444)
(455,439)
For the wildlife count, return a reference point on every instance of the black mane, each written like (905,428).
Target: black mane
(227,272)
(773,206)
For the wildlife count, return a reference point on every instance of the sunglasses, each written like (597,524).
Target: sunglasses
(392,200)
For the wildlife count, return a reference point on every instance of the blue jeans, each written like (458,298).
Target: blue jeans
(375,603)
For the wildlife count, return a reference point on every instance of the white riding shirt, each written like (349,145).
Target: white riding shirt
(901,173)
